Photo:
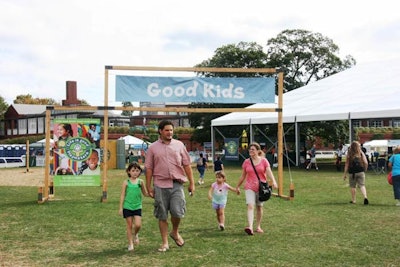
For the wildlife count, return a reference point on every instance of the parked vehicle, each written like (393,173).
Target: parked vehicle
(12,162)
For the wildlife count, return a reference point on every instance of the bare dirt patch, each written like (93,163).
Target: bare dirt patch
(20,177)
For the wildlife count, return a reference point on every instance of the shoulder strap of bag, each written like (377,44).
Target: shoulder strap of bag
(252,164)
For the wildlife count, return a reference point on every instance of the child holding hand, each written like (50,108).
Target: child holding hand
(130,204)
(218,193)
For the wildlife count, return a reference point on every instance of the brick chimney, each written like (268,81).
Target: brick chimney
(72,99)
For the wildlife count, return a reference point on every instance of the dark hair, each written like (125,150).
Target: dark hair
(95,151)
(68,128)
(133,165)
(164,123)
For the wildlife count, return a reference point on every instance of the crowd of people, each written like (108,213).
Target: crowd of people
(168,168)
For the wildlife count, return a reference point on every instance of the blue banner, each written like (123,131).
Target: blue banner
(195,89)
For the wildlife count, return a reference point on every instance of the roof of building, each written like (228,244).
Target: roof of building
(28,109)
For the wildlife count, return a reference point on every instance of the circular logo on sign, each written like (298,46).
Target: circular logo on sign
(78,148)
(231,147)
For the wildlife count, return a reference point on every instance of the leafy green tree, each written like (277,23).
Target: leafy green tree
(3,107)
(127,112)
(304,56)
(28,99)
(84,102)
(243,55)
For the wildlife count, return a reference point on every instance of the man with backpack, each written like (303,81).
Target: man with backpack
(201,167)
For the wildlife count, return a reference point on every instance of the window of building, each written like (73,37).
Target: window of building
(32,126)
(396,123)
(357,123)
(22,126)
(377,123)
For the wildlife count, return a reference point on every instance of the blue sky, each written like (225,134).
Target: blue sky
(44,43)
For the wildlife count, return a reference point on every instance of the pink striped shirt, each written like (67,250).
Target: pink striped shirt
(167,161)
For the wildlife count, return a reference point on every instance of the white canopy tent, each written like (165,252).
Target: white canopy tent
(134,142)
(365,91)
(381,145)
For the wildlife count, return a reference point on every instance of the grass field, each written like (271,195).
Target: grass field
(318,228)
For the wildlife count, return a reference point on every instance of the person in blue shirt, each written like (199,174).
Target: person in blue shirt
(394,165)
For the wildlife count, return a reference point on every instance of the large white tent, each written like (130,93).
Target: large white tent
(365,91)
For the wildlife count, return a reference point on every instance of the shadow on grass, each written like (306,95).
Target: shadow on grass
(347,203)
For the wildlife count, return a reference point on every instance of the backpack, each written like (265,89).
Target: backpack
(356,165)
(200,161)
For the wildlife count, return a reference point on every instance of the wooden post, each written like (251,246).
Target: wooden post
(105,147)
(40,194)
(27,156)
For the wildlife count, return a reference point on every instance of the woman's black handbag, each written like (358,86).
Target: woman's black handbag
(264,191)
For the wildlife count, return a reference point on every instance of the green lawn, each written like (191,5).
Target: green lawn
(318,228)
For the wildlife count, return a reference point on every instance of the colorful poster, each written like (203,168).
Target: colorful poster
(231,148)
(76,152)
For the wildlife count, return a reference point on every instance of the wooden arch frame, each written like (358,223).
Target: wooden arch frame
(44,192)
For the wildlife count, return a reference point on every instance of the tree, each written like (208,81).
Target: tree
(84,102)
(28,99)
(304,56)
(243,55)
(127,112)
(3,107)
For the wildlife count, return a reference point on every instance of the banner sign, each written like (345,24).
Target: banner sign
(195,89)
(231,148)
(75,158)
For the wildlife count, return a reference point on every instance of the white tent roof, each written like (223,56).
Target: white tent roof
(365,91)
(382,143)
(134,141)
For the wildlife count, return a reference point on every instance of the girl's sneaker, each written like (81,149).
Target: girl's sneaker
(221,227)
(130,247)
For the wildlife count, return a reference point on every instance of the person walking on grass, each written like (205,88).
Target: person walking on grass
(130,204)
(394,166)
(168,166)
(356,164)
(263,168)
(313,160)
(218,164)
(201,167)
(218,193)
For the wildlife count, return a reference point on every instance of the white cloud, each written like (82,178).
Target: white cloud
(44,43)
